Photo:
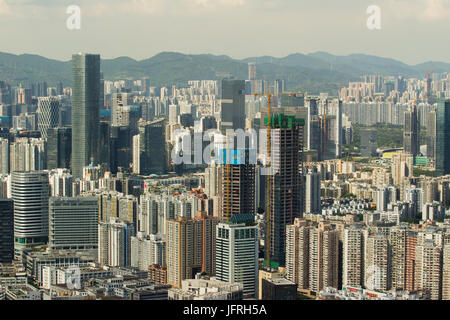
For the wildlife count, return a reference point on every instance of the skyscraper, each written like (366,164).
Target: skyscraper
(287,194)
(48,114)
(237,252)
(30,192)
(238,187)
(232,114)
(443,137)
(4,156)
(312,191)
(431,134)
(6,230)
(151,147)
(85,111)
(59,148)
(411,131)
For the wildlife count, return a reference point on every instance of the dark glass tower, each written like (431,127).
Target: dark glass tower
(85,111)
(233,104)
(59,148)
(443,137)
(6,230)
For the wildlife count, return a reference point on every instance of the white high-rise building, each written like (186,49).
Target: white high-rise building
(147,250)
(30,192)
(4,156)
(27,155)
(237,253)
(60,183)
(114,242)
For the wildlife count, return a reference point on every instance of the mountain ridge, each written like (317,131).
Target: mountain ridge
(313,72)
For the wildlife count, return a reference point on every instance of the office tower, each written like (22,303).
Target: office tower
(59,148)
(353,256)
(27,154)
(238,186)
(30,192)
(286,196)
(6,230)
(48,114)
(147,250)
(398,243)
(191,245)
(85,111)
(252,71)
(114,242)
(312,191)
(73,223)
(121,144)
(237,252)
(232,114)
(442,163)
(377,263)
(369,143)
(105,156)
(428,269)
(4,156)
(151,147)
(411,131)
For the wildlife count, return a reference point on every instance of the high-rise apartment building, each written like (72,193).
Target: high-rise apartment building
(85,111)
(377,263)
(354,241)
(147,250)
(190,247)
(428,269)
(114,242)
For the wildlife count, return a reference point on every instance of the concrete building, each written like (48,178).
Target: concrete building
(73,223)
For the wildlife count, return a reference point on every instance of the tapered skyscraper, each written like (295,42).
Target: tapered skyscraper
(85,111)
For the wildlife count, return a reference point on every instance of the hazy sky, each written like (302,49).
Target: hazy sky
(412,31)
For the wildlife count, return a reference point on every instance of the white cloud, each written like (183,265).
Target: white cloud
(422,10)
(117,8)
